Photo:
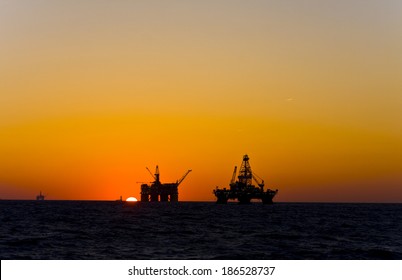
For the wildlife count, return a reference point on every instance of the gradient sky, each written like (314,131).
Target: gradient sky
(92,92)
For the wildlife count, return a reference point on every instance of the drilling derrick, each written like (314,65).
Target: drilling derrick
(243,189)
(245,174)
(158,191)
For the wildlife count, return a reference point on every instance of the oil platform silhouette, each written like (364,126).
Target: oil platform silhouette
(40,196)
(158,191)
(243,190)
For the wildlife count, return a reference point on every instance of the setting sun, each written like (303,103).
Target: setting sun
(131,199)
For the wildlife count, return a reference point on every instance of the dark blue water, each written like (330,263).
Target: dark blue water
(186,230)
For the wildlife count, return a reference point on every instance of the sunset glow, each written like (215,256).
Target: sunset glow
(93,92)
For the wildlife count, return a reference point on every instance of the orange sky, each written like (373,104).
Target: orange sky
(92,92)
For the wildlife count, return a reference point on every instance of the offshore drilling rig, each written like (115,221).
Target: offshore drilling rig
(158,191)
(243,190)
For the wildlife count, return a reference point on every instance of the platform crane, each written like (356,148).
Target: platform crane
(232,181)
(178,182)
(258,180)
(156,175)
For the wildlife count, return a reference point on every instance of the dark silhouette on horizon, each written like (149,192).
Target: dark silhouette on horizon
(158,191)
(243,190)
(40,196)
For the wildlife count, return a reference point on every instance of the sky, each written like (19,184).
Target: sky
(92,92)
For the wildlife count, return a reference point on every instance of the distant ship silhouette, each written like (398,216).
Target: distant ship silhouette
(40,196)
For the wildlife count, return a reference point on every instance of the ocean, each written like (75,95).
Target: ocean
(199,230)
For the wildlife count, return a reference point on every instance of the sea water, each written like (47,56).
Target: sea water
(198,230)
